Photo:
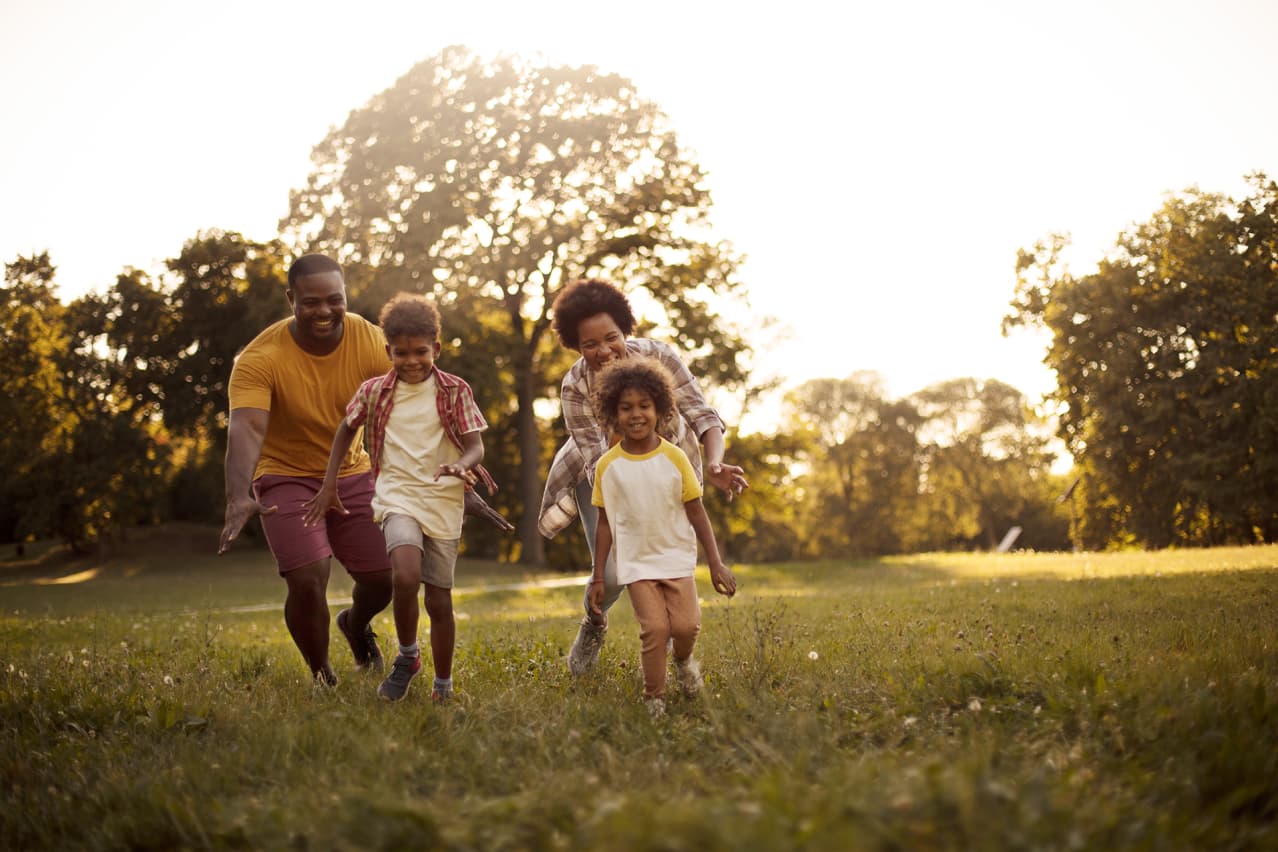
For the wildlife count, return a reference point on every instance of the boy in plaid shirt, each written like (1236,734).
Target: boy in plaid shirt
(425,446)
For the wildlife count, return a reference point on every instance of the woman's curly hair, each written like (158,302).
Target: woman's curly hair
(647,375)
(582,300)
(409,315)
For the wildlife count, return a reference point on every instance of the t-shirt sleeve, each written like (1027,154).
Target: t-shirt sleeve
(357,408)
(691,487)
(596,494)
(251,382)
(469,417)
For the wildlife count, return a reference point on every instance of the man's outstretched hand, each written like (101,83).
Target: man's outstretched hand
(477,507)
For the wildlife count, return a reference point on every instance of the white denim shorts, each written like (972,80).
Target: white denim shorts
(439,557)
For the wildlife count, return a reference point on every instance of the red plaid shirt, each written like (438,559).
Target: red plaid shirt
(453,399)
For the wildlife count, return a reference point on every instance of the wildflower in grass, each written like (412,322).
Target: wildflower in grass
(812,655)
(974,705)
(910,721)
(168,680)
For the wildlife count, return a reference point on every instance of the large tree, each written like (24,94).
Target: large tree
(490,184)
(862,464)
(986,468)
(1166,367)
(32,403)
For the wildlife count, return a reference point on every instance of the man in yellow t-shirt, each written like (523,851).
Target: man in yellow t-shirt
(288,393)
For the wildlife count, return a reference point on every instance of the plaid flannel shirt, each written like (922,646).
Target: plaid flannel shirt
(454,401)
(586,442)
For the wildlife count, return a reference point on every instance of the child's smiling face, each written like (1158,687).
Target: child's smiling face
(637,418)
(413,356)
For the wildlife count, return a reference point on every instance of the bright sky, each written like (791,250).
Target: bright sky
(879,163)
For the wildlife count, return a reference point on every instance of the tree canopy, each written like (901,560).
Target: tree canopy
(489,184)
(1167,370)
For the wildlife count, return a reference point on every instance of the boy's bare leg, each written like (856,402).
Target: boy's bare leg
(443,629)
(406,576)
(306,614)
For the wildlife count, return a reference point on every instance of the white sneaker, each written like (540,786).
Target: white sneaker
(585,648)
(689,674)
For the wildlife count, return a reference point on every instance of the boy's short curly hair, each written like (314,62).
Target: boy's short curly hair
(647,375)
(584,299)
(409,315)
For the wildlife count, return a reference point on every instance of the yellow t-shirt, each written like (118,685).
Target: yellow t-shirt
(644,496)
(306,395)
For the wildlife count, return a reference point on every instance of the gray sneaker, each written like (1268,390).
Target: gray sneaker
(367,655)
(689,675)
(585,648)
(403,670)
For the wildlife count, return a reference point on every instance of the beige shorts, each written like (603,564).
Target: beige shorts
(439,557)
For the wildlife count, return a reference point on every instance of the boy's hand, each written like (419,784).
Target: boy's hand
(728,478)
(722,579)
(476,506)
(596,595)
(464,474)
(324,501)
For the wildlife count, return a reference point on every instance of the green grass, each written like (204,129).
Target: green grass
(932,702)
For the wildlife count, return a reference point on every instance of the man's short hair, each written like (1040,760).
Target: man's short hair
(311,264)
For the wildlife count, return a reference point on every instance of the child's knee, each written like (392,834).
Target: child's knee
(686,631)
(439,602)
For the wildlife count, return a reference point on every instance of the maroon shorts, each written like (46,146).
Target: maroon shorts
(354,539)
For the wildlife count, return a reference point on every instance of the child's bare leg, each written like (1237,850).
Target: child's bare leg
(654,629)
(406,576)
(443,629)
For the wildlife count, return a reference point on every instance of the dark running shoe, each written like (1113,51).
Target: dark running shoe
(403,670)
(368,657)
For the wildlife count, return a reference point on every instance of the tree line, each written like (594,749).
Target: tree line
(488,184)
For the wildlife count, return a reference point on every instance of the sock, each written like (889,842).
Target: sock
(413,650)
(443,685)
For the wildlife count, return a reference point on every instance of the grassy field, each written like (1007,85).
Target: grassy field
(153,700)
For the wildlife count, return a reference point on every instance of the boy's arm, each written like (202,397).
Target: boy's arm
(603,545)
(326,497)
(244,438)
(472,454)
(720,575)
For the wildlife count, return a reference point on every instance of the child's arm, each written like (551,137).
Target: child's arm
(472,454)
(720,575)
(603,544)
(326,498)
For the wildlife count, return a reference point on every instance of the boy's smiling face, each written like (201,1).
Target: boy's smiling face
(600,340)
(637,419)
(413,356)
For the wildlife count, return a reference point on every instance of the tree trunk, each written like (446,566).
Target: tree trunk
(532,550)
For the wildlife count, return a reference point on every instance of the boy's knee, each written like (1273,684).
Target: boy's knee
(681,632)
(439,602)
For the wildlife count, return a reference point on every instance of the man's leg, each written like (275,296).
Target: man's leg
(306,614)
(358,544)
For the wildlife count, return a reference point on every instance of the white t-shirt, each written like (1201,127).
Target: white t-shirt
(415,447)
(644,496)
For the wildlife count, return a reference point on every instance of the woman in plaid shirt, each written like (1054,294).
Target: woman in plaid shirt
(594,318)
